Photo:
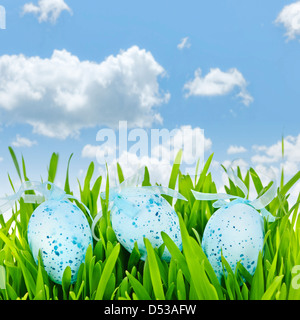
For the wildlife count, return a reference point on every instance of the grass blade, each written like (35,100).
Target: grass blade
(15,161)
(108,268)
(138,288)
(154,272)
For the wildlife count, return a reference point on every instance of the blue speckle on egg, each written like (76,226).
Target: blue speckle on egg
(237,231)
(60,230)
(154,216)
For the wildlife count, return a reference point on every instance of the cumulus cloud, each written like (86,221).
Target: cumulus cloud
(273,153)
(289,17)
(130,163)
(184,43)
(242,163)
(236,149)
(268,162)
(267,172)
(218,83)
(23,142)
(92,151)
(47,10)
(159,170)
(60,95)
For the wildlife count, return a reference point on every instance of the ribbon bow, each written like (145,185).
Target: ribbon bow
(130,188)
(259,203)
(54,193)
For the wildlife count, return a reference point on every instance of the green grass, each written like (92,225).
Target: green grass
(110,272)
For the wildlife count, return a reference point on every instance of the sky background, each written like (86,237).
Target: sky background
(69,68)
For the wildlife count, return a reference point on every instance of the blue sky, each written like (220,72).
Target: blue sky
(223,35)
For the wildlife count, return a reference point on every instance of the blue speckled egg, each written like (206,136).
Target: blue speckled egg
(153,215)
(61,231)
(237,230)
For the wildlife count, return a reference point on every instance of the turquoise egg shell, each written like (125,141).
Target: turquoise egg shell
(154,216)
(237,230)
(61,231)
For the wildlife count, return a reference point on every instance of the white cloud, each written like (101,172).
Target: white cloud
(218,83)
(47,10)
(269,162)
(294,193)
(159,159)
(267,173)
(236,149)
(258,148)
(289,17)
(159,170)
(61,95)
(243,164)
(273,153)
(91,151)
(290,168)
(130,163)
(23,142)
(259,158)
(184,43)
(271,172)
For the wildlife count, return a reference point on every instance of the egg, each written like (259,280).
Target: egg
(60,230)
(237,230)
(142,215)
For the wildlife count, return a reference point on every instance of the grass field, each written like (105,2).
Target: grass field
(110,272)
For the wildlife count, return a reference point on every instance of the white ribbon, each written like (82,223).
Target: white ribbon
(54,193)
(259,203)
